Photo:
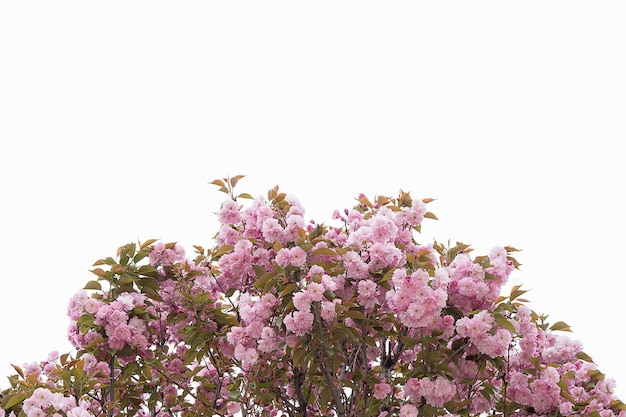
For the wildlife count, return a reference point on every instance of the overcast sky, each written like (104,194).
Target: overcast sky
(114,116)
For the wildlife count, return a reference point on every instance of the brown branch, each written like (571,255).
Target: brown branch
(111,385)
(298,381)
(328,378)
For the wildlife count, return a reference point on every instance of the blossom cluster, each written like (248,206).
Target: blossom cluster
(288,317)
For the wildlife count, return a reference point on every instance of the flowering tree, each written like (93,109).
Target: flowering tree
(283,317)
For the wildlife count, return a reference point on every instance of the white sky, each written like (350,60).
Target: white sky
(115,115)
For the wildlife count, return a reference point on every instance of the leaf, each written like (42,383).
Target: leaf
(430,215)
(126,279)
(264,279)
(324,251)
(93,285)
(617,404)
(234,180)
(584,357)
(219,183)
(560,326)
(297,355)
(289,288)
(99,272)
(223,250)
(516,292)
(596,375)
(18,370)
(325,398)
(15,399)
(500,299)
(365,201)
(146,243)
(245,195)
(504,322)
(259,270)
(565,391)
(355,314)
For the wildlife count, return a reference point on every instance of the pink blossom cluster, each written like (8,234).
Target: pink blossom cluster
(113,321)
(48,399)
(482,332)
(44,402)
(414,299)
(468,287)
(254,336)
(162,256)
(283,317)
(435,392)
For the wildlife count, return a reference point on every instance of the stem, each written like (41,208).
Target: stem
(111,385)
(366,390)
(341,412)
(298,381)
(505,380)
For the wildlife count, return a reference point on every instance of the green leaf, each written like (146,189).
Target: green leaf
(324,251)
(289,288)
(430,215)
(562,326)
(93,285)
(224,249)
(297,355)
(264,279)
(259,270)
(618,405)
(516,292)
(355,314)
(11,401)
(596,375)
(504,322)
(126,279)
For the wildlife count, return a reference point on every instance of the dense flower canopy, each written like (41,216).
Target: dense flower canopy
(286,317)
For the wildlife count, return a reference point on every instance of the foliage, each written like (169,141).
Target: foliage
(287,318)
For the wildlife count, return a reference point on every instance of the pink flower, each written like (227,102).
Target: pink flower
(78,412)
(315,291)
(53,356)
(329,283)
(295,256)
(329,309)
(368,292)
(233,408)
(383,230)
(32,368)
(302,300)
(272,230)
(229,213)
(298,256)
(268,341)
(415,215)
(41,398)
(249,358)
(382,390)
(355,266)
(283,257)
(408,410)
(299,322)
(126,301)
